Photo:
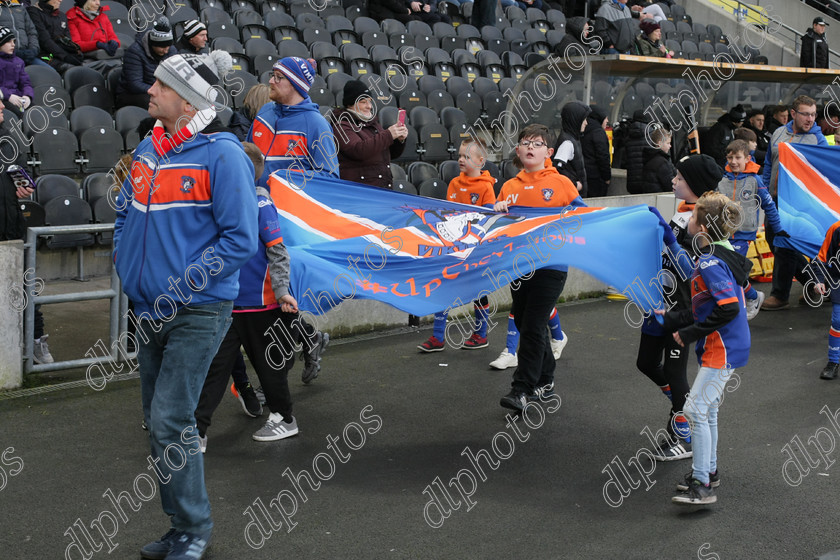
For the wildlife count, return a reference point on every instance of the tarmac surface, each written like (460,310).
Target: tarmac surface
(400,420)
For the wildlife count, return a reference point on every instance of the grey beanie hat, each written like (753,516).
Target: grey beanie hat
(195,77)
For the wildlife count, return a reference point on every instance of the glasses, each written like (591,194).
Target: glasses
(805,114)
(534,143)
(276,77)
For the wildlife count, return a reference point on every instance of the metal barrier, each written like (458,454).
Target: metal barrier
(117,316)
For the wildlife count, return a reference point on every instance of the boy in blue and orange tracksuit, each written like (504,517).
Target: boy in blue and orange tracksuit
(718,322)
(825,269)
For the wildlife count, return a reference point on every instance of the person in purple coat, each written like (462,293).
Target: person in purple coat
(15,88)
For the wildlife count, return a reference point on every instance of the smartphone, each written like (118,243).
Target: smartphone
(20,177)
(401,117)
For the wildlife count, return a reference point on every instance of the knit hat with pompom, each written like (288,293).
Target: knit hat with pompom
(196,77)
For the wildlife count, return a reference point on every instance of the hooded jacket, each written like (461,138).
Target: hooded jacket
(646,47)
(52,24)
(595,147)
(658,171)
(365,149)
(12,222)
(717,138)
(86,31)
(13,77)
(785,133)
(614,24)
(748,190)
(634,159)
(139,65)
(295,138)
(14,16)
(477,191)
(185,240)
(814,50)
(574,30)
(568,155)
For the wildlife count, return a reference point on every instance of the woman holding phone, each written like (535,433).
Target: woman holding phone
(365,149)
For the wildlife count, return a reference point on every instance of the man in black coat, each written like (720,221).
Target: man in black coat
(718,137)
(755,122)
(596,153)
(633,158)
(814,53)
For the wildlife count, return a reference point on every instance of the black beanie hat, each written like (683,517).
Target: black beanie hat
(353,90)
(701,172)
(737,114)
(6,35)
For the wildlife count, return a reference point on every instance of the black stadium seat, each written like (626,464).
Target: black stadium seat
(419,171)
(433,188)
(100,148)
(403,186)
(99,185)
(83,118)
(33,213)
(94,95)
(68,211)
(437,100)
(54,151)
(48,187)
(104,213)
(434,139)
(448,171)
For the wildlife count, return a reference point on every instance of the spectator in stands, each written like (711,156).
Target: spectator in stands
(365,149)
(828,119)
(523,4)
(596,153)
(658,172)
(405,11)
(426,11)
(614,25)
(194,39)
(91,29)
(789,263)
(242,119)
(568,155)
(718,137)
(755,122)
(140,62)
(649,43)
(53,35)
(483,13)
(776,116)
(814,52)
(13,224)
(633,157)
(644,9)
(306,142)
(14,81)
(14,16)
(577,31)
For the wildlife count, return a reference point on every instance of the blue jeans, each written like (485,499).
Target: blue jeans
(173,366)
(701,408)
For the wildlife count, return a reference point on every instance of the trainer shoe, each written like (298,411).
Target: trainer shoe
(714,481)
(829,372)
(434,344)
(505,360)
(754,305)
(159,549)
(558,345)
(515,400)
(475,341)
(202,443)
(542,392)
(248,399)
(696,494)
(774,304)
(312,359)
(276,429)
(672,451)
(41,352)
(189,546)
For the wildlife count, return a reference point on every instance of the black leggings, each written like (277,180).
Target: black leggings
(670,371)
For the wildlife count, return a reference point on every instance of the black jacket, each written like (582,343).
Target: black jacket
(658,171)
(12,224)
(574,30)
(814,53)
(634,160)
(52,24)
(139,65)
(715,140)
(762,141)
(596,156)
(568,155)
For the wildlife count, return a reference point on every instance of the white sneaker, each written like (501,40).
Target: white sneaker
(202,443)
(558,345)
(505,360)
(754,305)
(41,352)
(276,428)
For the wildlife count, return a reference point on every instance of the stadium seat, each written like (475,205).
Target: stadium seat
(403,186)
(397,40)
(48,187)
(392,26)
(419,29)
(242,5)
(263,63)
(345,37)
(433,188)
(452,43)
(419,171)
(411,98)
(241,18)
(456,84)
(362,25)
(176,16)
(39,120)
(448,170)
(127,118)
(286,33)
(44,76)
(398,173)
(336,82)
(498,46)
(484,85)
(414,61)
(34,215)
(339,23)
(99,185)
(494,104)
(94,95)
(256,46)
(54,151)
(422,116)
(468,31)
(430,84)
(434,143)
(210,15)
(353,12)
(410,151)
(83,118)
(77,76)
(514,12)
(237,84)
(471,104)
(677,14)
(278,18)
(272,6)
(68,211)
(372,38)
(438,100)
(292,48)
(104,213)
(255,31)
(228,44)
(100,149)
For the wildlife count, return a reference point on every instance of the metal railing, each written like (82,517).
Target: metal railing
(118,308)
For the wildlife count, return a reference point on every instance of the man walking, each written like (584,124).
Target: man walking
(187,221)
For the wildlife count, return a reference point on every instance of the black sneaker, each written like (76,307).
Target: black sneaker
(829,371)
(312,359)
(672,450)
(515,400)
(159,549)
(248,398)
(714,481)
(542,392)
(697,494)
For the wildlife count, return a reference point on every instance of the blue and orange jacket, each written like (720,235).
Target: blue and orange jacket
(296,138)
(185,238)
(748,190)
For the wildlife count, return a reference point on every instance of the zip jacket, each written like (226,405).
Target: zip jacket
(748,190)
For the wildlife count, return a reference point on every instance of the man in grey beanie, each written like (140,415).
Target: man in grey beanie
(186,223)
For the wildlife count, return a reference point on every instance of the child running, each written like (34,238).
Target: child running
(718,322)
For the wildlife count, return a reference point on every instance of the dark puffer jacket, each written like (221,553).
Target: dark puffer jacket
(596,154)
(12,224)
(13,78)
(717,138)
(814,50)
(52,24)
(634,159)
(658,171)
(568,155)
(139,65)
(15,17)
(365,149)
